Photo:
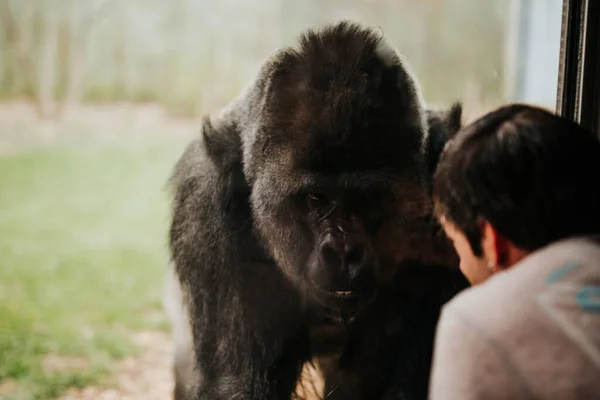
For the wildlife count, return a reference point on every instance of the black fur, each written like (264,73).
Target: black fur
(341,117)
(443,125)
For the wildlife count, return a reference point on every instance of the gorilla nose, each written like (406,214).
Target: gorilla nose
(346,255)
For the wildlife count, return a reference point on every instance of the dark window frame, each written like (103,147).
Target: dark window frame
(578,95)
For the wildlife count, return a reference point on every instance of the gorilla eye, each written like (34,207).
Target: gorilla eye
(314,196)
(318,200)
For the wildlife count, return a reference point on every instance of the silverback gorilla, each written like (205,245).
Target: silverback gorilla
(302,230)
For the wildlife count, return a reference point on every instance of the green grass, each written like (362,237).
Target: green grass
(83,234)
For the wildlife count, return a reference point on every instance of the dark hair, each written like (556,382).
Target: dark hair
(530,173)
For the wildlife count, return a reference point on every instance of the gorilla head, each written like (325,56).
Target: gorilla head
(337,161)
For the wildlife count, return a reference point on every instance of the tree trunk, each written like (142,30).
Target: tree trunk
(75,75)
(47,65)
(14,40)
(76,61)
(82,18)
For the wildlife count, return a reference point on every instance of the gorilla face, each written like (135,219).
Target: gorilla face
(338,235)
(340,178)
(345,221)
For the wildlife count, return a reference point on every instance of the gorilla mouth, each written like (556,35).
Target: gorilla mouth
(336,294)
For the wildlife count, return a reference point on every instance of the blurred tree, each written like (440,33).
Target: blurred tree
(195,55)
(19,52)
(81,16)
(47,63)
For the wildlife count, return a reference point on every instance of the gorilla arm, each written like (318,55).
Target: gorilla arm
(219,266)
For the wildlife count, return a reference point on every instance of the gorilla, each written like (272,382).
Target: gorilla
(302,230)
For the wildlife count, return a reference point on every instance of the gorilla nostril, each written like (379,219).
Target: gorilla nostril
(356,257)
(330,256)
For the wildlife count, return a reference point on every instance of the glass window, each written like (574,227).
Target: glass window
(98,98)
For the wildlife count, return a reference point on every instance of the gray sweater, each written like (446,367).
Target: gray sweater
(531,332)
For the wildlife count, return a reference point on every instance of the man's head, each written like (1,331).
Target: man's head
(517,179)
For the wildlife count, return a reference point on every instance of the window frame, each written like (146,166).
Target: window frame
(578,94)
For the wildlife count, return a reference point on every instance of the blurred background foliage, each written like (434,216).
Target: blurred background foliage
(194,55)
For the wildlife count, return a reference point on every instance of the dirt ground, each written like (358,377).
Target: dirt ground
(145,377)
(148,376)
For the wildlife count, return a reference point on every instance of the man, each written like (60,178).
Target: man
(516,192)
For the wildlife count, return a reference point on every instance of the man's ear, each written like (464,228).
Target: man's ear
(493,244)
(498,249)
(443,125)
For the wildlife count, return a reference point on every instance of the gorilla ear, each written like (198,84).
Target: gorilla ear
(443,125)
(223,146)
(454,119)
